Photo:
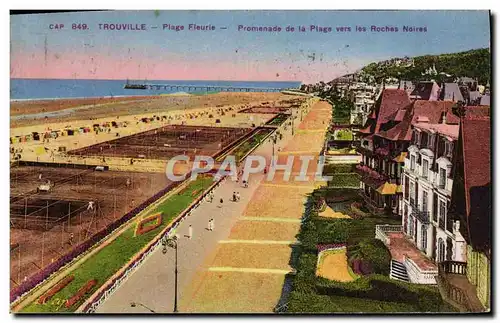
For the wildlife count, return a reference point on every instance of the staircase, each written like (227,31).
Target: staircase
(398,271)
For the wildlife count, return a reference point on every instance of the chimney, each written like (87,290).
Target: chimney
(443,117)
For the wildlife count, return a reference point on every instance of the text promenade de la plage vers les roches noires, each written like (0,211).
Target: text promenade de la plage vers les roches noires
(240,28)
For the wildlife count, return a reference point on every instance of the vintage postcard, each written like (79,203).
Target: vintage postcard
(282,162)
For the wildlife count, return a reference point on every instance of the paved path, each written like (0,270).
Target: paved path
(153,283)
(245,277)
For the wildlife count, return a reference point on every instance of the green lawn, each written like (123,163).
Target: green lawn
(110,259)
(343,134)
(340,180)
(240,151)
(278,120)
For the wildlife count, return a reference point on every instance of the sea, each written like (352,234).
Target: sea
(36,89)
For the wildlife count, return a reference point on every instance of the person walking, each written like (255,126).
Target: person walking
(238,196)
(234,197)
(211,225)
(190,232)
(221,202)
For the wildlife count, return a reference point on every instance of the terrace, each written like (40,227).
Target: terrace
(420,269)
(456,289)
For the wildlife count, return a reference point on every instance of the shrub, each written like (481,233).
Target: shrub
(340,194)
(338,169)
(382,288)
(55,289)
(373,254)
(81,292)
(356,209)
(323,231)
(344,180)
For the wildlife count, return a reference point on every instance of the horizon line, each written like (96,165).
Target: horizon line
(106,79)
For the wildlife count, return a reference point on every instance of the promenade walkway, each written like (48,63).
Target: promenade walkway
(246,273)
(153,283)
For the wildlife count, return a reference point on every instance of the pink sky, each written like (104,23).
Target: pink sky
(79,66)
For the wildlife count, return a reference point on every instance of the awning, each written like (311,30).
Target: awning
(387,189)
(401,157)
(399,189)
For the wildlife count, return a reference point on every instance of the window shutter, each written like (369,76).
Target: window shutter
(416,193)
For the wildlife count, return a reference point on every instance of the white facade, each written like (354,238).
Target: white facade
(364,100)
(425,206)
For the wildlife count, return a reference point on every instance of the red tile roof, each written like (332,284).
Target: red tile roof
(392,100)
(476,137)
(430,111)
(388,104)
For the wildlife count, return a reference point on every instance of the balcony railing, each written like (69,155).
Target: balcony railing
(382,230)
(419,212)
(453,267)
(417,275)
(451,292)
(366,171)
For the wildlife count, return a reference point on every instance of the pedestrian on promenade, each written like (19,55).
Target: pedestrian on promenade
(221,202)
(238,196)
(190,232)
(211,225)
(234,196)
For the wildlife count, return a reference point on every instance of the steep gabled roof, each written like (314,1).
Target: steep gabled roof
(388,103)
(391,101)
(425,91)
(451,92)
(430,111)
(476,134)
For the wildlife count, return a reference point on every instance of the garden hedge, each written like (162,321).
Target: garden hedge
(371,293)
(374,256)
(338,169)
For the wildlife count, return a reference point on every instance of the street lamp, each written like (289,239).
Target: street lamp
(274,138)
(134,304)
(172,243)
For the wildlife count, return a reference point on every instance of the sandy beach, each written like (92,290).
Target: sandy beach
(64,110)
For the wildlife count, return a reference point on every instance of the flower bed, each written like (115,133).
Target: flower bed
(195,192)
(322,247)
(145,225)
(86,289)
(55,289)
